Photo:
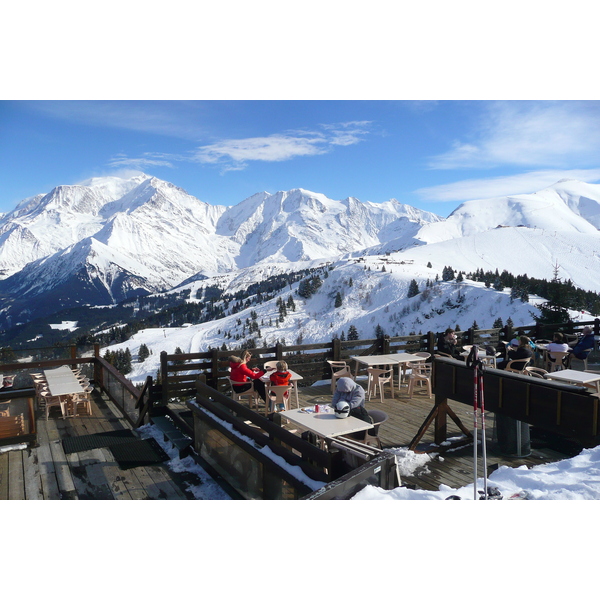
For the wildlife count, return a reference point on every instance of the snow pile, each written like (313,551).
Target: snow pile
(206,488)
(576,478)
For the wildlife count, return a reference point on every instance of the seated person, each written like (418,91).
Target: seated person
(557,344)
(349,391)
(523,350)
(583,347)
(281,376)
(241,374)
(447,344)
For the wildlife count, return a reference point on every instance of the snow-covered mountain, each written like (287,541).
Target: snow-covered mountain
(567,206)
(108,239)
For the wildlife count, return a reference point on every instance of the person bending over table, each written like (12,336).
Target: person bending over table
(347,390)
(241,374)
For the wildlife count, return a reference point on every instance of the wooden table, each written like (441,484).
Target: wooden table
(388,360)
(591,380)
(324,424)
(293,381)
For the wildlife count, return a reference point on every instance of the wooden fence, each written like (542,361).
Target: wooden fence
(179,373)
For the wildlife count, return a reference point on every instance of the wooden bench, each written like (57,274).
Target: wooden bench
(12,426)
(174,435)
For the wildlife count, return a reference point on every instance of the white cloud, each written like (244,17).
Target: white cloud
(272,148)
(524,183)
(234,154)
(148,160)
(548,134)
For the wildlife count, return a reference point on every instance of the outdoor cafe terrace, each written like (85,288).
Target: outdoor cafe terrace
(100,453)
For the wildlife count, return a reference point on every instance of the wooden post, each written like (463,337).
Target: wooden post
(214,368)
(385,345)
(73,357)
(596,326)
(97,373)
(278,351)
(430,342)
(336,349)
(164,377)
(471,336)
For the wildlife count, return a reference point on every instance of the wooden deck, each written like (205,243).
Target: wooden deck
(453,468)
(47,473)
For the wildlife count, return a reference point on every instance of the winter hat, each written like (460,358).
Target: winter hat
(587,329)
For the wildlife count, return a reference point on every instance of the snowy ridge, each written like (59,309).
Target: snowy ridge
(109,238)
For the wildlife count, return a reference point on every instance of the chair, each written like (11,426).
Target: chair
(420,374)
(513,365)
(270,363)
(339,368)
(250,394)
(558,361)
(438,353)
(51,401)
(377,379)
(276,395)
(572,357)
(80,398)
(489,361)
(372,434)
(535,372)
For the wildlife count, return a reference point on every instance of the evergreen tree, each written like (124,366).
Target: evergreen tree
(143,352)
(429,265)
(379,333)
(498,323)
(413,288)
(338,300)
(352,333)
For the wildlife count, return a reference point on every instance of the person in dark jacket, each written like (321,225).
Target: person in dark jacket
(523,350)
(586,342)
(240,375)
(447,344)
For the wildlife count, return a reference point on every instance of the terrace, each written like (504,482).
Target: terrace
(202,423)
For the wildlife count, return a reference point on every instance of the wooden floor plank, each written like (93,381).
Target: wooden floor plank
(4,476)
(16,475)
(46,464)
(62,469)
(31,471)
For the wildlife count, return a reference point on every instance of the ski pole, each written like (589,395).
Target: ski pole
(483,442)
(472,362)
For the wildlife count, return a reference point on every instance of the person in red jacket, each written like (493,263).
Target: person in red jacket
(281,376)
(240,372)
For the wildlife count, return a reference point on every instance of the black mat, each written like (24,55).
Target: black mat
(97,440)
(138,454)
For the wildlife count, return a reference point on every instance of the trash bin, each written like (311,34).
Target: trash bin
(513,436)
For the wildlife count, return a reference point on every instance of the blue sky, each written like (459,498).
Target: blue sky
(430,154)
(429,103)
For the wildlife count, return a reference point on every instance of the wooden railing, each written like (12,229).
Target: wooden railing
(568,410)
(179,373)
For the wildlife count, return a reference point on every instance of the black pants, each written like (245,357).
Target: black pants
(259,386)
